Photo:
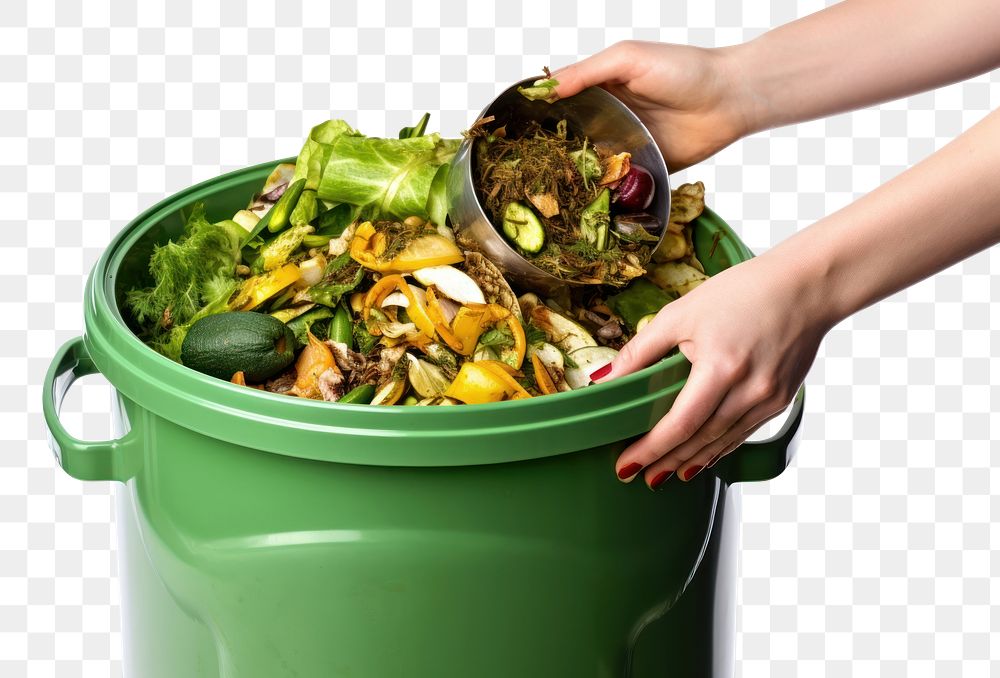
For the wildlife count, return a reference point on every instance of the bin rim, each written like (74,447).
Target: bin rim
(465,435)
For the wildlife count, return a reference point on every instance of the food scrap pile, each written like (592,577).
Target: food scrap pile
(574,209)
(341,281)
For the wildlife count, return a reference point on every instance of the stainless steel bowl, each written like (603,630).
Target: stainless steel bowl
(593,112)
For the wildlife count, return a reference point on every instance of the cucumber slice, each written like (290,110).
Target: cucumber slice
(588,360)
(521,226)
(362,395)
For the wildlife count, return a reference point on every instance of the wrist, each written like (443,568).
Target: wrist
(747,103)
(816,276)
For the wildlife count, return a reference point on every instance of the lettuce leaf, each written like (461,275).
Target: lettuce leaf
(388,178)
(316,151)
(382,178)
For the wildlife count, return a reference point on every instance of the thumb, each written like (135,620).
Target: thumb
(607,66)
(652,343)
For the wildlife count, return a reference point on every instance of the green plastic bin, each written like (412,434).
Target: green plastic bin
(263,536)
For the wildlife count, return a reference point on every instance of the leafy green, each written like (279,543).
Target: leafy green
(363,339)
(388,178)
(188,275)
(639,299)
(340,276)
(219,290)
(301,325)
(380,178)
(333,221)
(417,130)
(534,335)
(497,338)
(316,151)
(437,199)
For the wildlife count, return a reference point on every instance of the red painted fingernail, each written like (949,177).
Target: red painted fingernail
(690,472)
(660,478)
(599,373)
(627,472)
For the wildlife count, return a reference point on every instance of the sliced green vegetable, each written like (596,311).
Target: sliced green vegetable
(282,211)
(640,299)
(287,314)
(307,322)
(341,276)
(360,395)
(254,235)
(281,301)
(521,226)
(595,219)
(341,327)
(417,130)
(314,240)
(275,253)
(306,209)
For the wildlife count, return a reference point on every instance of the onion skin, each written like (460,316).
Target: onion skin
(273,195)
(636,190)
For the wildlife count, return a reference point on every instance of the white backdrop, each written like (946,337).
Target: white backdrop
(875,554)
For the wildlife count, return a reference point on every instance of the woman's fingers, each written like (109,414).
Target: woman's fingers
(645,348)
(708,455)
(715,433)
(706,386)
(611,65)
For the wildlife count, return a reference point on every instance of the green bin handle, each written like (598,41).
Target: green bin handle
(83,459)
(764,459)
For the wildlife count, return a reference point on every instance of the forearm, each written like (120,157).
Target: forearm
(862,52)
(926,219)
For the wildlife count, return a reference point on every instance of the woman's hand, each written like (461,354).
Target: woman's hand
(751,333)
(693,100)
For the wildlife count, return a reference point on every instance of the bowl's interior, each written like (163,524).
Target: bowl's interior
(594,114)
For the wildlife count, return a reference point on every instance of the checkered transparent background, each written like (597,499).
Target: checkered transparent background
(875,554)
